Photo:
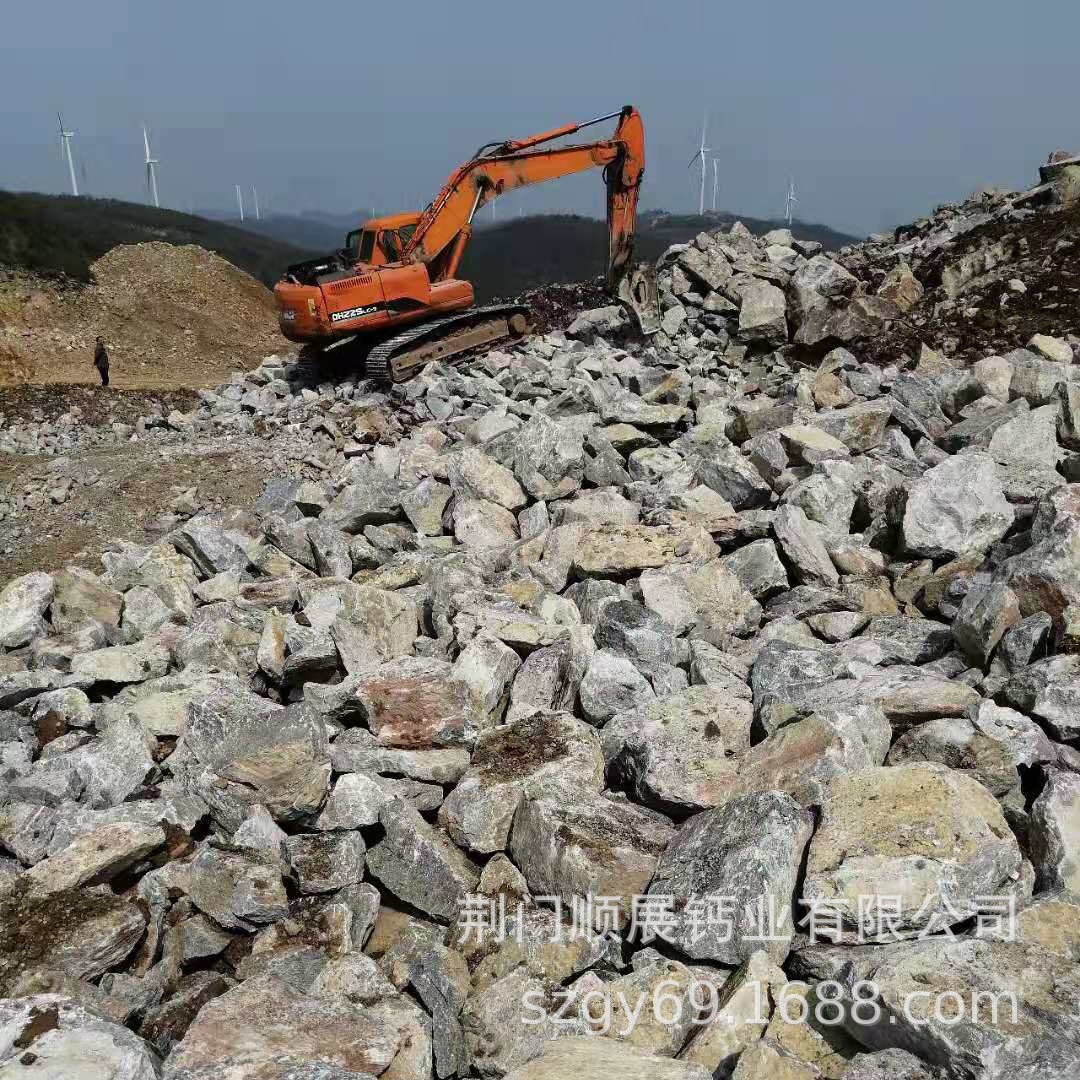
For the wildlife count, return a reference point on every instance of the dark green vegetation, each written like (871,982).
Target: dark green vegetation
(52,234)
(507,259)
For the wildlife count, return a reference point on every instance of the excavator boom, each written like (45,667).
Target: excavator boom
(402,270)
(495,170)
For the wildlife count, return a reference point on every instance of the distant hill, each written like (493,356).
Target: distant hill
(509,258)
(51,234)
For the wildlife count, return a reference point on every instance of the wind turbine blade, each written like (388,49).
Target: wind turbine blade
(697,154)
(704,126)
(146,141)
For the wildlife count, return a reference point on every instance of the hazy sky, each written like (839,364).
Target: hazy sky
(880,110)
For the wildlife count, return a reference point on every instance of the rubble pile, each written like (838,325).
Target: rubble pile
(574,664)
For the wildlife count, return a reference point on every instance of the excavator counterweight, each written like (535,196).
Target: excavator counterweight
(400,271)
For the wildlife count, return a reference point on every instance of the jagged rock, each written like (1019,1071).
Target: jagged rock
(550,458)
(719,465)
(763,314)
(956,508)
(81,597)
(122,664)
(593,1058)
(750,849)
(759,568)
(284,1032)
(611,684)
(707,600)
(744,1004)
(326,863)
(237,891)
(1055,832)
(82,933)
(573,846)
(681,751)
(420,864)
(920,973)
(97,857)
(803,546)
(613,550)
(479,524)
(1050,690)
(23,602)
(48,1036)
(527,756)
(280,754)
(357,750)
(986,613)
(926,832)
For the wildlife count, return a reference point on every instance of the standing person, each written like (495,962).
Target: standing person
(101,360)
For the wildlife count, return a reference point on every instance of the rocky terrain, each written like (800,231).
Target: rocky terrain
(541,680)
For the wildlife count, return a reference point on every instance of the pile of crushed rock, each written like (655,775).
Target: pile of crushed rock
(719,676)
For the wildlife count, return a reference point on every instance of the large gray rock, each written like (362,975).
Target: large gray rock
(594,1058)
(527,756)
(1050,690)
(916,984)
(82,933)
(721,466)
(550,458)
(1046,576)
(746,855)
(1055,832)
(49,1037)
(681,751)
(611,684)
(763,314)
(97,857)
(801,542)
(268,1029)
(956,508)
(239,892)
(281,754)
(420,864)
(572,844)
(707,600)
(926,833)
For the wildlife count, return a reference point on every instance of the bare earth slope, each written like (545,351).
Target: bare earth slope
(172,317)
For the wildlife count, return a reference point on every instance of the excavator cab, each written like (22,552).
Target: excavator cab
(401,269)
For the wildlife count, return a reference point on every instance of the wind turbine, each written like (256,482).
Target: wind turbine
(700,155)
(151,170)
(65,151)
(715,182)
(240,202)
(255,200)
(789,202)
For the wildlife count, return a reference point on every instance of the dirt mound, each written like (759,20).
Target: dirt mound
(171,316)
(992,280)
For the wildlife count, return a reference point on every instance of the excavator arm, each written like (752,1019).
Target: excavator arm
(445,227)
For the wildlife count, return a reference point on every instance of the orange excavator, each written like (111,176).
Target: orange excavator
(401,271)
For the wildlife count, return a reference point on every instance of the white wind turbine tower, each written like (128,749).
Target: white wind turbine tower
(151,167)
(790,202)
(255,200)
(700,155)
(240,202)
(715,182)
(65,151)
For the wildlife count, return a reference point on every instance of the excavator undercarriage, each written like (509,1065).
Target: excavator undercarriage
(391,297)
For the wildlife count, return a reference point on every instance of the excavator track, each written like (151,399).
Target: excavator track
(449,339)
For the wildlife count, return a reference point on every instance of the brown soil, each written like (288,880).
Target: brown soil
(171,317)
(1043,252)
(131,498)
